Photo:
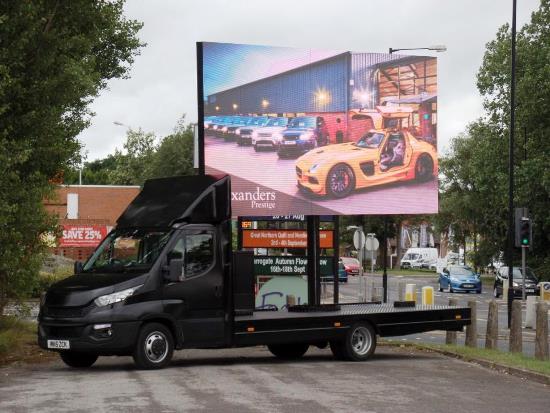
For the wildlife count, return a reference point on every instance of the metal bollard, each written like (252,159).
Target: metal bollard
(427,295)
(410,292)
(516,334)
(471,330)
(401,291)
(491,336)
(376,293)
(530,311)
(541,336)
(450,337)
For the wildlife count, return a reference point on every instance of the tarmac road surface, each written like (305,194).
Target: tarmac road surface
(251,380)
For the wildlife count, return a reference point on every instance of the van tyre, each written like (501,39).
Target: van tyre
(78,360)
(495,292)
(154,347)
(290,351)
(359,343)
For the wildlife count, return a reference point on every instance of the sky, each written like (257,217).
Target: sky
(163,83)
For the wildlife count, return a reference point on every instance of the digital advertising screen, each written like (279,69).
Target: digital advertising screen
(319,132)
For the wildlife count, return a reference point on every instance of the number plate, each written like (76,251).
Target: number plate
(290,142)
(59,344)
(468,286)
(529,290)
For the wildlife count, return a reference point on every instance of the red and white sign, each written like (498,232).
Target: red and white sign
(82,235)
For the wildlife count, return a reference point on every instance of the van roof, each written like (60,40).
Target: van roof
(194,199)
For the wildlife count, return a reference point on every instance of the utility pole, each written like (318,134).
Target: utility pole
(510,248)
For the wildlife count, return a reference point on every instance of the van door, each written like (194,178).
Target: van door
(196,301)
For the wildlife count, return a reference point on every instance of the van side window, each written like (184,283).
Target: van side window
(199,253)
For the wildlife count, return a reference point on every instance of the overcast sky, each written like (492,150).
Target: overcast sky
(162,86)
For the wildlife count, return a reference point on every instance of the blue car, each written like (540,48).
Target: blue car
(459,278)
(303,134)
(342,274)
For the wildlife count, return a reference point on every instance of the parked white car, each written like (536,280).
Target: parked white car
(270,136)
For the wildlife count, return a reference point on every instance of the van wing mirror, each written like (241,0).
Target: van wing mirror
(175,271)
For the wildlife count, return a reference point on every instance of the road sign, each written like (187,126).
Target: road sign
(372,244)
(358,239)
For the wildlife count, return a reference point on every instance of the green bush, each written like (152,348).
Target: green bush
(46,279)
(13,332)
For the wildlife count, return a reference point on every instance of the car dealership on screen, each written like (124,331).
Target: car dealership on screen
(321,132)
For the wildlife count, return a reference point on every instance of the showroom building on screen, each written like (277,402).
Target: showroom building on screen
(348,89)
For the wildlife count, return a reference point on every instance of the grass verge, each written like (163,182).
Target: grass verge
(18,342)
(502,358)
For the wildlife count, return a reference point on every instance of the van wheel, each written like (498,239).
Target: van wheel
(78,360)
(495,292)
(154,347)
(423,169)
(288,351)
(359,343)
(340,181)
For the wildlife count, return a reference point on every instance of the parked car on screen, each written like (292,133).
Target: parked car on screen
(531,282)
(351,265)
(218,124)
(228,131)
(244,133)
(459,278)
(380,157)
(303,134)
(208,120)
(270,135)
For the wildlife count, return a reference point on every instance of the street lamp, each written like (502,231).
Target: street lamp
(437,48)
(118,123)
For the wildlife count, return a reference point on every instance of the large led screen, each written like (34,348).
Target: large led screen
(320,132)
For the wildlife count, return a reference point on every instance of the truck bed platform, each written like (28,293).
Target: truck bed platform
(266,327)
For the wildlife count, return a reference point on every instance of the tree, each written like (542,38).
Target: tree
(133,166)
(476,169)
(141,158)
(174,155)
(55,57)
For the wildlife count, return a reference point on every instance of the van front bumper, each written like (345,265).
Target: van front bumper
(117,339)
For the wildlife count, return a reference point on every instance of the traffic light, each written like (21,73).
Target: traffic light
(525,232)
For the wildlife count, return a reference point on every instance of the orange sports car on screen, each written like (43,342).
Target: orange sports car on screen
(381,156)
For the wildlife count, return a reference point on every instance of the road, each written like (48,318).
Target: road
(251,380)
(349,293)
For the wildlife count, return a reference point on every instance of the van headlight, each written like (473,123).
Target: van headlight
(115,297)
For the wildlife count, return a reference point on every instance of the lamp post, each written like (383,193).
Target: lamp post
(437,48)
(510,249)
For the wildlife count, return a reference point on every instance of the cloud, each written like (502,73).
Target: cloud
(163,79)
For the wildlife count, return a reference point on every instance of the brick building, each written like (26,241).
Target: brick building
(86,213)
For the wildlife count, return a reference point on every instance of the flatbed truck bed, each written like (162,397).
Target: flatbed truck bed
(265,327)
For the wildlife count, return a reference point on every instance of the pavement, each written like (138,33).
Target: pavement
(251,380)
(350,291)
